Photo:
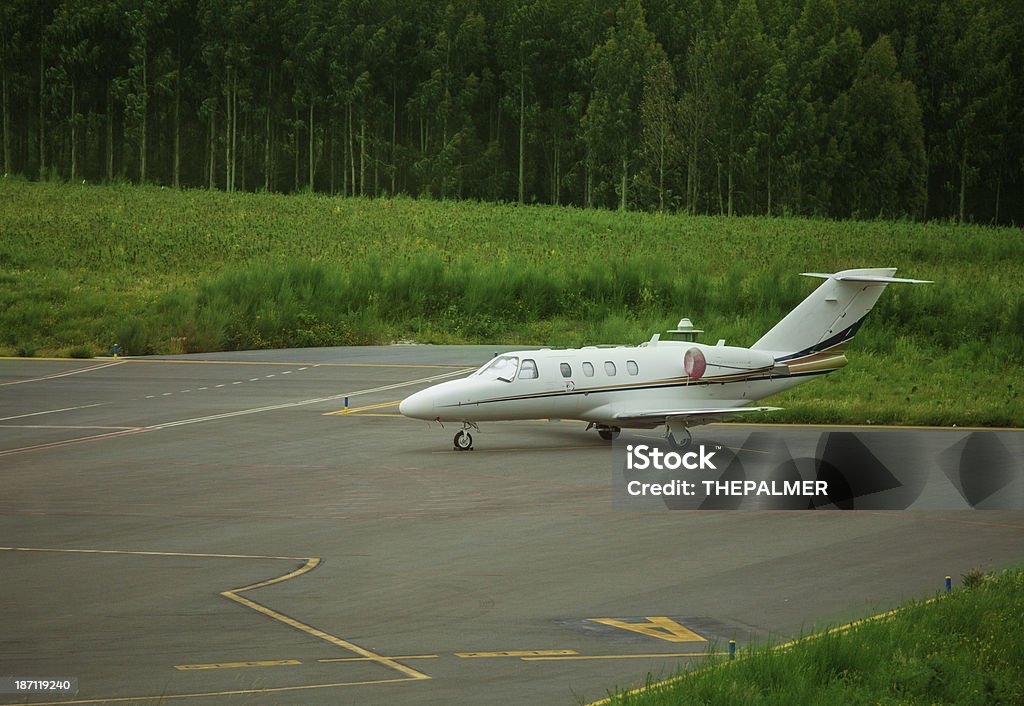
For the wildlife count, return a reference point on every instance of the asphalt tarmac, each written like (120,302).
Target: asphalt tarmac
(217,529)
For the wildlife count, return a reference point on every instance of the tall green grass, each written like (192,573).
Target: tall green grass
(966,648)
(158,270)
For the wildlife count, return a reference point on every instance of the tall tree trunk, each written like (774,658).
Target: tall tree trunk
(42,98)
(266,134)
(6,121)
(311,138)
(145,110)
(227,135)
(625,167)
(999,188)
(394,134)
(351,148)
(295,145)
(245,141)
(963,181)
(110,134)
(212,143)
(344,153)
(522,123)
(234,127)
(362,158)
(730,186)
(74,131)
(176,179)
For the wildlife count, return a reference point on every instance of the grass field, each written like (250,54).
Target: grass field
(966,648)
(161,271)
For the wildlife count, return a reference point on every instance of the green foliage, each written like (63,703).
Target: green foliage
(160,271)
(966,647)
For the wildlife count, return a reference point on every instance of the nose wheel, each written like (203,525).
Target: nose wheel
(463,441)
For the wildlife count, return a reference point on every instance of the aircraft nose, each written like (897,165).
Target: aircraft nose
(419,405)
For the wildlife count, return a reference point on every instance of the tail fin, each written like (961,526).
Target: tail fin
(832,314)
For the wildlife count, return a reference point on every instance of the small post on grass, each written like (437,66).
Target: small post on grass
(732,649)
(949,584)
(346,405)
(116,350)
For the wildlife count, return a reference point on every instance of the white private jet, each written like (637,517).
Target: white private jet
(675,384)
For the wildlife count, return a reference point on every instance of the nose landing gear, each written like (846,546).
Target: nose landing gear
(463,441)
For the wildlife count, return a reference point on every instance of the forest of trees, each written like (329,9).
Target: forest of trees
(836,108)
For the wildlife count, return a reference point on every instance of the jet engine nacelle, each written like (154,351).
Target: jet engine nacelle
(713,361)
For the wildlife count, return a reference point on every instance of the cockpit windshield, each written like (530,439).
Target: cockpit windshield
(502,368)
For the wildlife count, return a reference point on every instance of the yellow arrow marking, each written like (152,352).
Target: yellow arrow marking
(659,626)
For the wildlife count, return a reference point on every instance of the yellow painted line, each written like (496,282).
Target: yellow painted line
(135,553)
(651,655)
(517,653)
(371,414)
(777,648)
(367,659)
(235,665)
(159,698)
(661,627)
(234,595)
(354,410)
(311,564)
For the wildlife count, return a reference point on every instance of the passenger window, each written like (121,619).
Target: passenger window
(631,367)
(566,370)
(609,367)
(588,369)
(527,369)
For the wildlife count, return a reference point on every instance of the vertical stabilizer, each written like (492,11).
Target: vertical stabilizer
(831,315)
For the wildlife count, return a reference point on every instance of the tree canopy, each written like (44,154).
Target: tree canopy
(736,107)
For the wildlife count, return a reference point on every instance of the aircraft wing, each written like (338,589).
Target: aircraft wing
(689,417)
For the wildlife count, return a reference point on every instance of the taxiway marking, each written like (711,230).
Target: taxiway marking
(62,375)
(647,655)
(517,653)
(409,673)
(237,665)
(661,627)
(228,415)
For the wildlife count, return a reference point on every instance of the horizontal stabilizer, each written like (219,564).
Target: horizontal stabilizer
(843,277)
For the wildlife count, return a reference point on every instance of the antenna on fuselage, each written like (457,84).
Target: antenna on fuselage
(685,331)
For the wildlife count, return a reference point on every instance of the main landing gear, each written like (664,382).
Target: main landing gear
(608,433)
(679,439)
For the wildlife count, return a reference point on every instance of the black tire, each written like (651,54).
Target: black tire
(609,433)
(463,441)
